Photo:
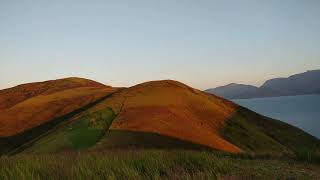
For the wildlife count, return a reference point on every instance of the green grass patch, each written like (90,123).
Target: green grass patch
(20,142)
(81,133)
(250,138)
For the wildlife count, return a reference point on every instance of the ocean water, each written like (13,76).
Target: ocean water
(301,111)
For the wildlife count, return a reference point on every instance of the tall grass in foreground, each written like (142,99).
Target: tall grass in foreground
(151,165)
(308,156)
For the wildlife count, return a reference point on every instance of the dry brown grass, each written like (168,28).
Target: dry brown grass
(12,96)
(173,109)
(45,103)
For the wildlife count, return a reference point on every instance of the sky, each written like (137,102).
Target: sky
(203,43)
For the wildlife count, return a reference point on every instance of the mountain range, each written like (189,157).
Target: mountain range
(298,84)
(75,114)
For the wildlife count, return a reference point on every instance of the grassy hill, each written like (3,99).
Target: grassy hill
(158,114)
(159,120)
(43,106)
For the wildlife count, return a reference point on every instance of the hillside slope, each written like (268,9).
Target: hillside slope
(36,104)
(173,109)
(169,114)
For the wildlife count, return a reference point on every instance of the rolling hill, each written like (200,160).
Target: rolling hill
(158,114)
(31,106)
(298,84)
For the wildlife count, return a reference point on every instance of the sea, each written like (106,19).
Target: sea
(302,111)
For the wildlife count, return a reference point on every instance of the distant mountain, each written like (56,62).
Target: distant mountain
(298,84)
(232,90)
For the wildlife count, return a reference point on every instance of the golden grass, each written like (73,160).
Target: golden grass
(12,96)
(43,108)
(172,109)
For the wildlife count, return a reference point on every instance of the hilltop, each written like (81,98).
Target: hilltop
(12,96)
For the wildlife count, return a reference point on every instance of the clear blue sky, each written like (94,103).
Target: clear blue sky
(121,43)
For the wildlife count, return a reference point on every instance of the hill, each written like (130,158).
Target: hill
(298,84)
(167,115)
(29,106)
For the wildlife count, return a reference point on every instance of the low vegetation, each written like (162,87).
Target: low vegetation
(155,164)
(256,133)
(82,132)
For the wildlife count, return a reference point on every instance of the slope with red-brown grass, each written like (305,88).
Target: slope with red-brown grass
(31,105)
(11,96)
(173,109)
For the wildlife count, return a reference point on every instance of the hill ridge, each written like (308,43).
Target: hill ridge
(14,95)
